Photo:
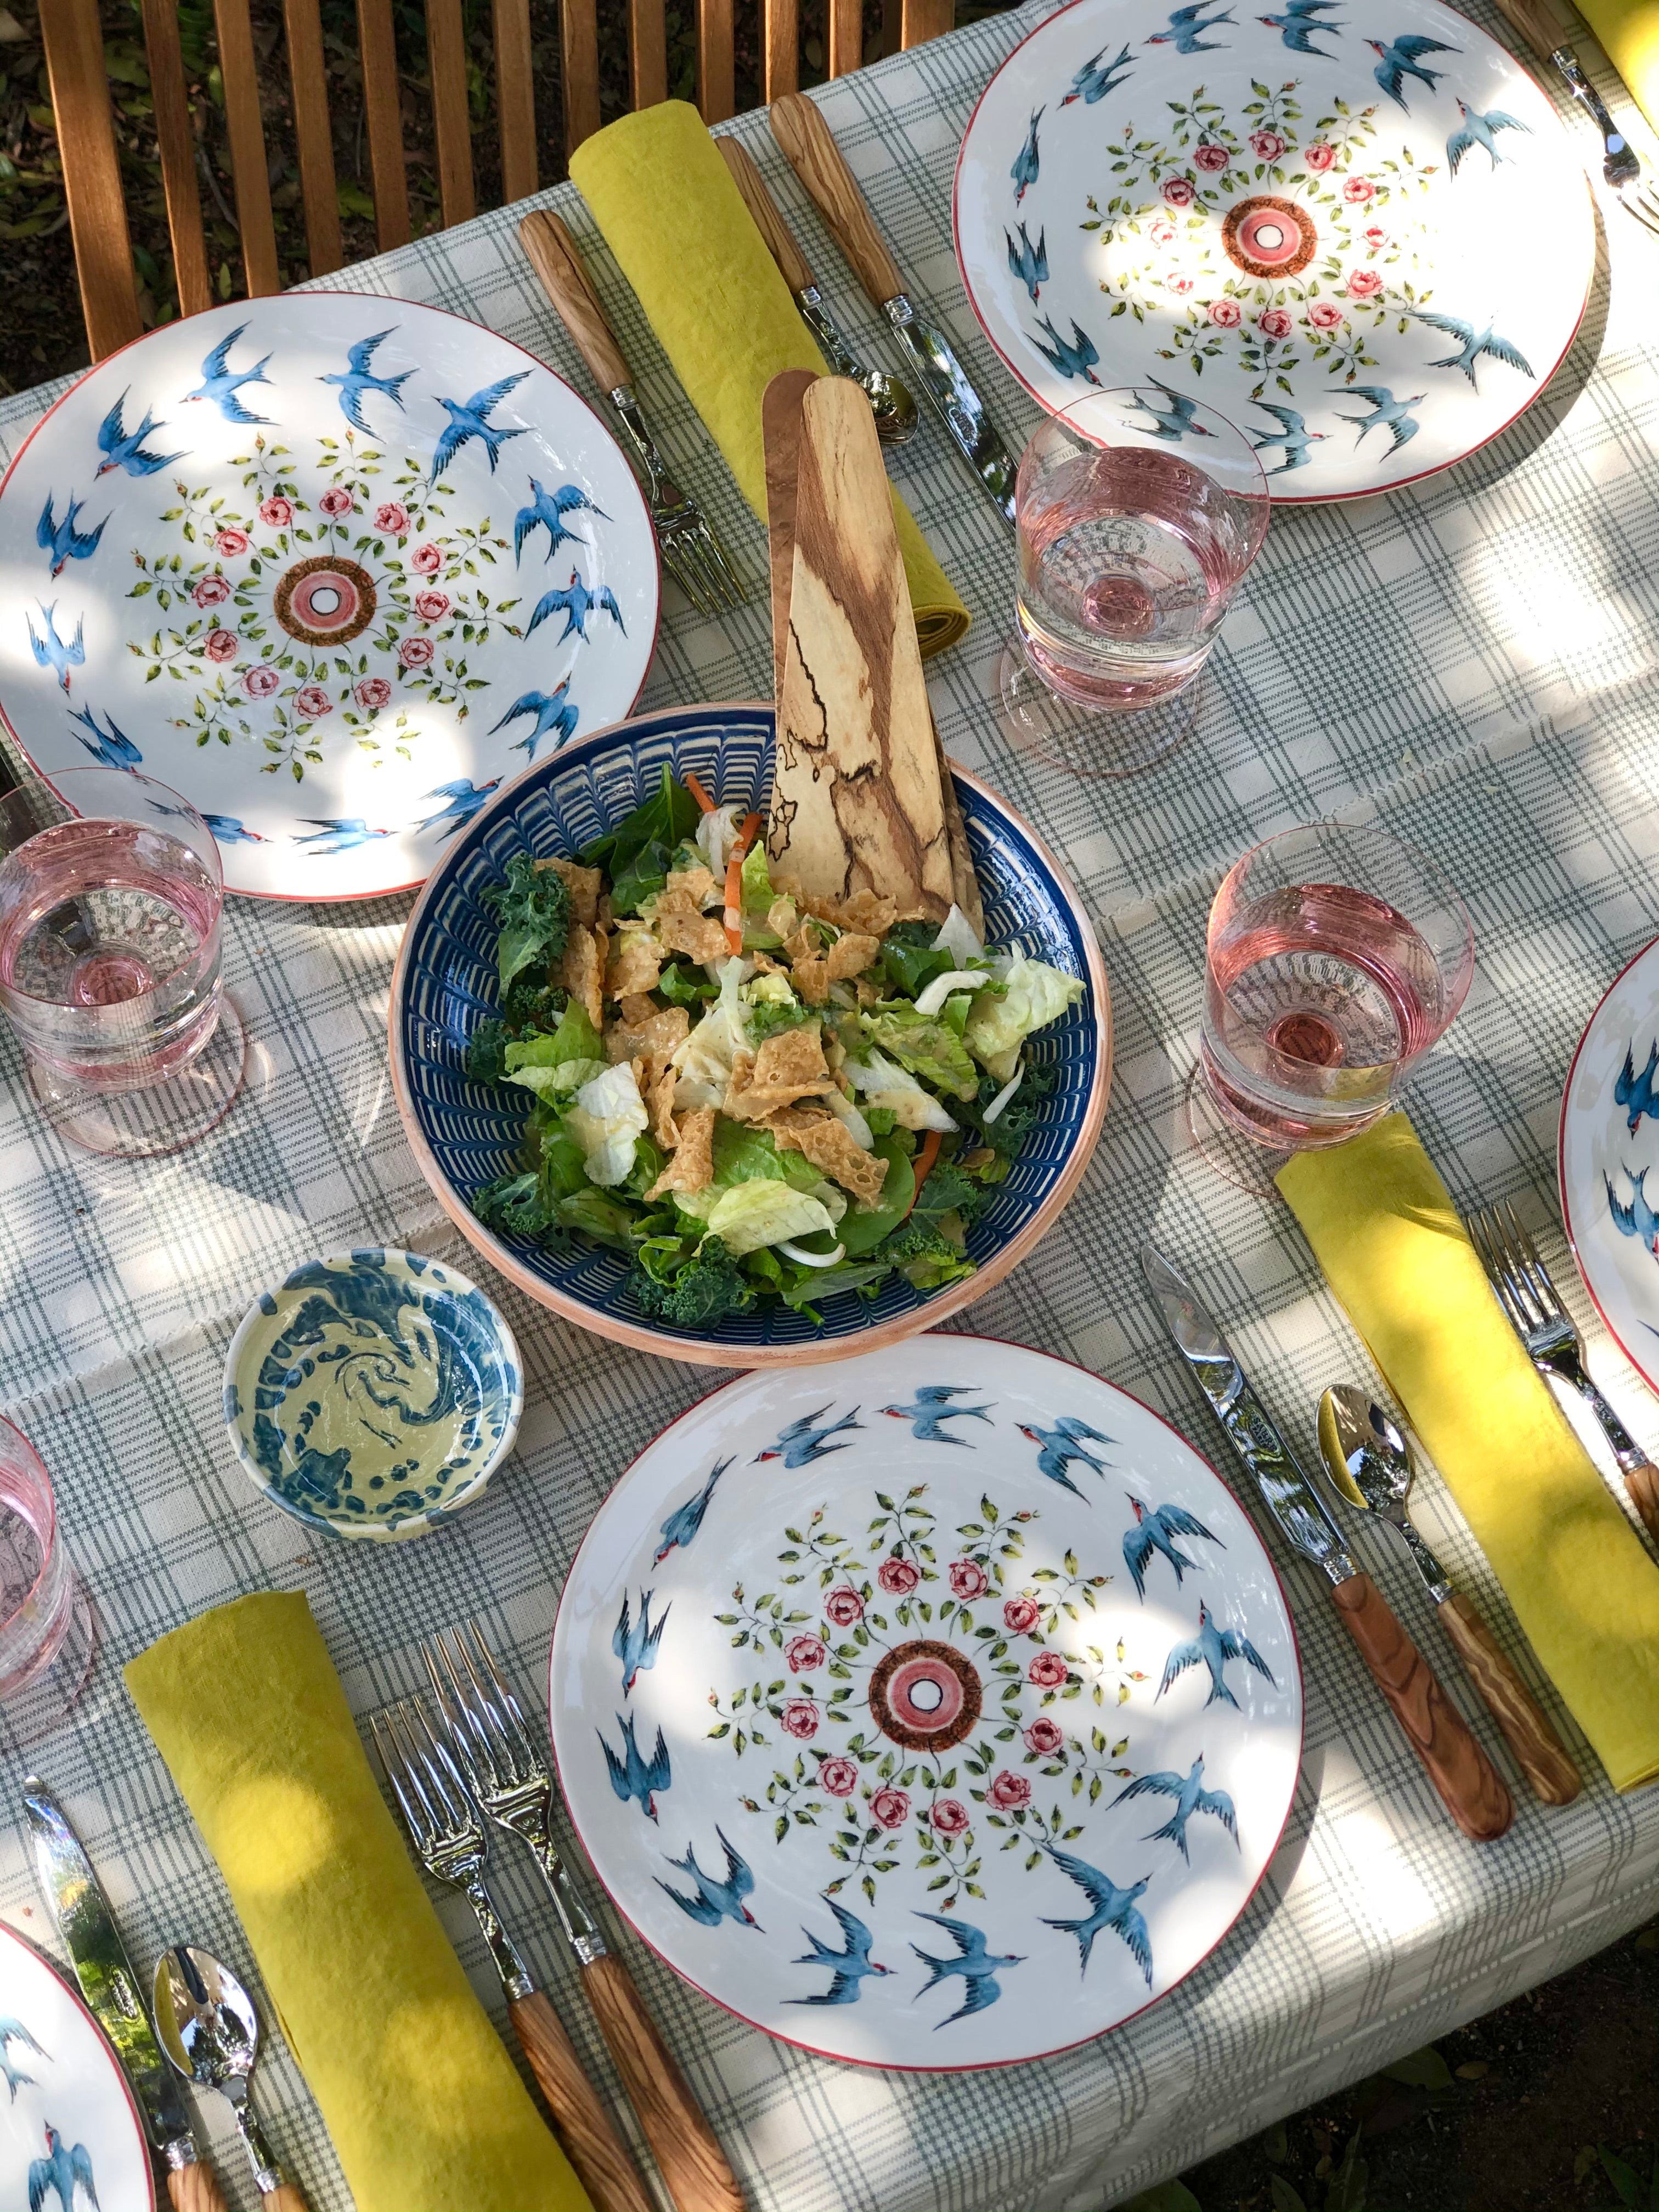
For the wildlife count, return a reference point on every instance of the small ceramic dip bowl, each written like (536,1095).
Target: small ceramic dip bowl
(372,1394)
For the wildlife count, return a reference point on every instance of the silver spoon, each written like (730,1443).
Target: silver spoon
(206,2025)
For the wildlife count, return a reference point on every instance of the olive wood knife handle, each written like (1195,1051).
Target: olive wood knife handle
(195,2188)
(780,240)
(1643,1485)
(1469,1785)
(553,256)
(687,2149)
(591,2142)
(1537,21)
(1542,1755)
(285,2197)
(816,160)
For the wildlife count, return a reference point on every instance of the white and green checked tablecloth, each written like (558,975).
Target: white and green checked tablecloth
(1472,660)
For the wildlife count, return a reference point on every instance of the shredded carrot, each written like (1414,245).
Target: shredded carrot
(699,793)
(925,1159)
(751,824)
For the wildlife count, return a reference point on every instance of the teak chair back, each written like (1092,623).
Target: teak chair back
(92,178)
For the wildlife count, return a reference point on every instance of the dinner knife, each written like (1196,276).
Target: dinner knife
(115,1996)
(807,140)
(1469,1785)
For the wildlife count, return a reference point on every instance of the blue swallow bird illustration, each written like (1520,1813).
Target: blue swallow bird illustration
(978,1967)
(1387,412)
(13,2031)
(1077,359)
(684,1522)
(1113,1908)
(634,1642)
(1479,130)
(933,1405)
(111,746)
(125,450)
(64,2172)
(465,797)
(547,511)
(631,1776)
(340,836)
(470,419)
(229,831)
(1471,347)
(555,718)
(714,1901)
(1174,419)
(357,377)
(850,1968)
(1402,59)
(1635,1218)
(1190,1796)
(1299,25)
(1292,434)
(63,540)
(52,651)
(1059,1446)
(1637,1092)
(1093,81)
(801,1442)
(1186,25)
(1030,263)
(1155,1530)
(221,382)
(1212,1647)
(1024,171)
(575,603)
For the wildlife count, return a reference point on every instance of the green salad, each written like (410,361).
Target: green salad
(754,1095)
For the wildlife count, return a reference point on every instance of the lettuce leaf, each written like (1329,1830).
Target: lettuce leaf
(554,1064)
(930,1050)
(606,1119)
(765,1211)
(668,815)
(1034,994)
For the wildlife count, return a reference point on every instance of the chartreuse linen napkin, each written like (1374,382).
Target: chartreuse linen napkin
(1383,1228)
(684,239)
(425,2107)
(1629,30)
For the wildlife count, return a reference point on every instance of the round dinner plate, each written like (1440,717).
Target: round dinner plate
(1363,238)
(334,566)
(70,2122)
(940,1709)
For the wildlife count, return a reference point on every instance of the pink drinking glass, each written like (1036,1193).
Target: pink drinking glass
(46,1632)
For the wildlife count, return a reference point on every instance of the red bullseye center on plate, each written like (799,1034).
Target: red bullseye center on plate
(1268,236)
(925,1695)
(325,600)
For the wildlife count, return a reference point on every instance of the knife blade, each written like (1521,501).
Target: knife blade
(1469,1784)
(113,1993)
(946,388)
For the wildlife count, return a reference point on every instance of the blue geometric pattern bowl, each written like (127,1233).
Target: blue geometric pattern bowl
(464,1134)
(372,1394)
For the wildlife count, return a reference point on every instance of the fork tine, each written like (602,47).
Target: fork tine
(1538,1275)
(397,1774)
(1481,1235)
(702,586)
(503,1751)
(1514,1267)
(460,1724)
(512,1721)
(684,575)
(442,1771)
(724,564)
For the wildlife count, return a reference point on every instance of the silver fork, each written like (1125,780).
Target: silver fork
(694,555)
(1533,1305)
(510,1779)
(449,1841)
(1621,169)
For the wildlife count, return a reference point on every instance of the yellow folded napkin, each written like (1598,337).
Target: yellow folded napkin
(684,239)
(425,2109)
(1384,1230)
(1629,31)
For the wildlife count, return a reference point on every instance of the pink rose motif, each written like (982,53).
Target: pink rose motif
(1325,315)
(898,1576)
(211,592)
(844,1607)
(1044,1737)
(948,1817)
(230,543)
(391,519)
(803,1653)
(276,512)
(223,644)
(337,501)
(1319,157)
(373,691)
(1376,238)
(1046,1670)
(425,559)
(1020,1615)
(1176,282)
(890,1809)
(1357,190)
(839,1777)
(1211,157)
(1274,323)
(260,682)
(1226,315)
(417,652)
(800,1718)
(1268,144)
(1008,1790)
(313,702)
(1160,231)
(1364,283)
(968,1579)
(432,606)
(1178,192)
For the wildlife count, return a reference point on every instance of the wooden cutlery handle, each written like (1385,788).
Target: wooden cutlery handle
(285,2197)
(816,160)
(554,257)
(195,2188)
(1643,1485)
(1469,1785)
(592,2143)
(686,2147)
(1536,20)
(1542,1755)
(779,239)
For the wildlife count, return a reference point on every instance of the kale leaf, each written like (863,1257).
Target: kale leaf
(534,910)
(701,1291)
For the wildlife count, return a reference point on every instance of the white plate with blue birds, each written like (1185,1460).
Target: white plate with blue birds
(937,1709)
(335,568)
(70,2132)
(1356,229)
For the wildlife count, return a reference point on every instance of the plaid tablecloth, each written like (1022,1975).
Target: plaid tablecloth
(1471,661)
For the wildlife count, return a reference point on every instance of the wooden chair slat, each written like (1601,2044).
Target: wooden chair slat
(647,52)
(846,37)
(779,48)
(245,130)
(579,37)
(921,20)
(717,92)
(91,173)
(313,136)
(378,48)
(515,97)
(176,143)
(445,49)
